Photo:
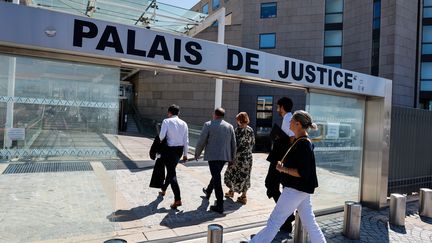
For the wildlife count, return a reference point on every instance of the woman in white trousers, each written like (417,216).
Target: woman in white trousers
(299,179)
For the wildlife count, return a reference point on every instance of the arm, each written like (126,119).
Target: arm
(185,143)
(202,141)
(289,171)
(163,130)
(233,144)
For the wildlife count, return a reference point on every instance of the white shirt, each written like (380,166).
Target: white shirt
(176,131)
(286,124)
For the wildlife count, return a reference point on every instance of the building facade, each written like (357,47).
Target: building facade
(390,39)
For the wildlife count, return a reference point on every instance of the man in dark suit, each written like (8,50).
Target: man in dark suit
(282,138)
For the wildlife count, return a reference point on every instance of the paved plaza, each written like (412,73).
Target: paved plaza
(111,199)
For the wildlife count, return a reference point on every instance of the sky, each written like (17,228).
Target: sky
(181,3)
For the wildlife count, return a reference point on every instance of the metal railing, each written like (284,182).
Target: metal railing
(410,166)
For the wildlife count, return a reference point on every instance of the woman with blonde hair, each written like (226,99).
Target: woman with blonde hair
(299,180)
(237,175)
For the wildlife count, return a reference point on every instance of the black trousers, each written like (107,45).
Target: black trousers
(272,183)
(171,157)
(216,167)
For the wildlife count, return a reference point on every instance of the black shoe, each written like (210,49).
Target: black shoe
(207,195)
(287,228)
(217,209)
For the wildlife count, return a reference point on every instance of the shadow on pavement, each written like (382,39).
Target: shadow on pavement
(137,212)
(175,218)
(426,219)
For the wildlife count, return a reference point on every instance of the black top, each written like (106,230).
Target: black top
(302,158)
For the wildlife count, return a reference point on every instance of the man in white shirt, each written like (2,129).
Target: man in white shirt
(280,146)
(175,130)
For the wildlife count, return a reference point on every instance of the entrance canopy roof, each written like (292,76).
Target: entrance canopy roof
(143,13)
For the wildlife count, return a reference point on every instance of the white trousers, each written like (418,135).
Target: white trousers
(289,200)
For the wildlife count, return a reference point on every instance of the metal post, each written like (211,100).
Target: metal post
(221,40)
(215,233)
(425,202)
(10,104)
(397,209)
(300,235)
(352,220)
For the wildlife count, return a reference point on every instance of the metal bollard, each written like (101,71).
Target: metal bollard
(300,235)
(215,233)
(352,220)
(425,202)
(397,209)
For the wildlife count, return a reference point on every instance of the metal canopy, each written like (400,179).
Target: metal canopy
(146,13)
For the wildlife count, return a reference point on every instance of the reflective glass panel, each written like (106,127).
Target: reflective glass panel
(265,103)
(215,4)
(333,51)
(333,38)
(333,18)
(426,70)
(427,3)
(338,147)
(56,117)
(334,6)
(427,49)
(205,9)
(267,41)
(427,33)
(426,85)
(427,12)
(268,10)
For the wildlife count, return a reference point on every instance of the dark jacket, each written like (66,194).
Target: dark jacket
(281,143)
(158,175)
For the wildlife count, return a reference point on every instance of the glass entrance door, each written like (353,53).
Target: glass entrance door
(338,147)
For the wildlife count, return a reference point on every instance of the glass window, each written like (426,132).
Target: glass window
(334,6)
(333,18)
(205,9)
(268,10)
(215,4)
(427,49)
(62,99)
(267,41)
(377,9)
(338,145)
(333,51)
(336,65)
(265,103)
(426,70)
(426,85)
(427,3)
(427,12)
(333,38)
(427,33)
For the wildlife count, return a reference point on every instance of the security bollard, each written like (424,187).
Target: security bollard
(352,220)
(397,209)
(425,202)
(300,234)
(215,233)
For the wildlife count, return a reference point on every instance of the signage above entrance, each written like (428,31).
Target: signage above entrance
(34,28)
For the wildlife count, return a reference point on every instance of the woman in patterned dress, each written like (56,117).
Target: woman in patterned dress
(237,175)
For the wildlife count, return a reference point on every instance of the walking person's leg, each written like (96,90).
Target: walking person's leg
(309,222)
(287,203)
(215,170)
(172,162)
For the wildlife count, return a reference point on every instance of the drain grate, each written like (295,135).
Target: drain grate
(111,164)
(36,167)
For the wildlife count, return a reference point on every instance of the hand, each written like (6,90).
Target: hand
(279,167)
(185,158)
(196,157)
